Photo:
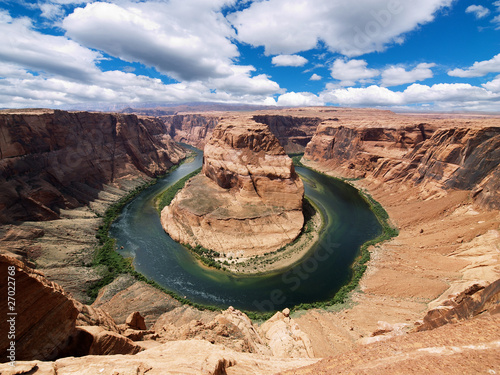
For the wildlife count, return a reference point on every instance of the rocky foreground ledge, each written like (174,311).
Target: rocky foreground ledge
(247,200)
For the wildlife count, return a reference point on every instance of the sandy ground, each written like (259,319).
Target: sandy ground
(444,245)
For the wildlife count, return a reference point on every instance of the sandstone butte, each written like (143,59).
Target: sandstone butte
(247,199)
(428,302)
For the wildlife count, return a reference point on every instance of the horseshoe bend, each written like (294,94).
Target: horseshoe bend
(247,200)
(427,303)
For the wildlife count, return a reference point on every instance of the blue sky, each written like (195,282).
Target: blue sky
(425,55)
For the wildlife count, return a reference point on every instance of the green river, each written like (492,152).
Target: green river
(349,223)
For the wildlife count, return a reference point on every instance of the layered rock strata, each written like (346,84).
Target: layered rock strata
(43,318)
(52,160)
(193,129)
(45,323)
(436,159)
(293,132)
(247,199)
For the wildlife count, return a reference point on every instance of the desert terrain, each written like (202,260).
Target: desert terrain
(427,303)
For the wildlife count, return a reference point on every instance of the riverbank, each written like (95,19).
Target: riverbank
(444,244)
(236,262)
(63,249)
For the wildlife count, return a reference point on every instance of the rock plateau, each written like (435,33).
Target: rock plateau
(248,197)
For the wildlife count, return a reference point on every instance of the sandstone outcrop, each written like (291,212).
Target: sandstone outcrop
(91,316)
(125,296)
(45,320)
(231,328)
(279,336)
(476,300)
(51,159)
(93,340)
(285,338)
(189,357)
(247,199)
(465,156)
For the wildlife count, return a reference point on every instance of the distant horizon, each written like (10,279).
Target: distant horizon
(405,56)
(121,107)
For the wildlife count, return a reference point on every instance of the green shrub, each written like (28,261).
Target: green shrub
(168,195)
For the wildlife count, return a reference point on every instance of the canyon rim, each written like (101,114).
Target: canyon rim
(431,294)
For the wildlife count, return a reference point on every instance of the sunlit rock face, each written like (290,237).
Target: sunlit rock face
(436,157)
(247,198)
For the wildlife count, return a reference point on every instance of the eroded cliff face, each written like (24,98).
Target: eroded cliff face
(357,150)
(248,197)
(55,159)
(293,132)
(461,158)
(193,129)
(434,158)
(38,303)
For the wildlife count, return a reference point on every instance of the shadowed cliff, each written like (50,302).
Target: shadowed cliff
(50,160)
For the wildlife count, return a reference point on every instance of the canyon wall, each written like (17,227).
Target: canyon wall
(247,199)
(435,157)
(50,160)
(293,132)
(193,129)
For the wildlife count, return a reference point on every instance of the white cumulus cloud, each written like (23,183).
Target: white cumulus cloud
(367,96)
(496,21)
(23,89)
(315,77)
(494,85)
(241,82)
(351,28)
(348,72)
(299,99)
(21,44)
(397,75)
(39,70)
(187,40)
(289,60)
(438,97)
(478,69)
(478,10)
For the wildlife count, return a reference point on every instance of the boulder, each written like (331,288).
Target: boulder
(136,321)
